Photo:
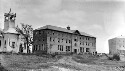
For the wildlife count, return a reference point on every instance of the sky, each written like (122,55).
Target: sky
(103,19)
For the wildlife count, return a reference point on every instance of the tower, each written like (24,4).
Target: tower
(11,36)
(9,20)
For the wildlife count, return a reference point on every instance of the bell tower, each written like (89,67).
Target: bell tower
(9,20)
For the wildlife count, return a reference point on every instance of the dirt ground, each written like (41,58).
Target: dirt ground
(14,62)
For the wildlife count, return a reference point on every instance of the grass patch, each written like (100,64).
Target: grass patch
(88,59)
(67,66)
(2,68)
(26,61)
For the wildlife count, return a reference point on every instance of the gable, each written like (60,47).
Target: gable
(76,32)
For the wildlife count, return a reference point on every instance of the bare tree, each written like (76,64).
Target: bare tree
(27,32)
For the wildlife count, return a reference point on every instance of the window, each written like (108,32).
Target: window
(67,48)
(36,32)
(58,47)
(43,48)
(40,32)
(34,48)
(83,49)
(75,44)
(53,33)
(83,43)
(80,37)
(86,43)
(86,38)
(62,34)
(62,47)
(69,41)
(43,32)
(39,40)
(62,40)
(58,40)
(87,49)
(48,32)
(13,44)
(39,47)
(80,49)
(0,43)
(53,39)
(75,39)
(5,42)
(58,34)
(66,40)
(50,38)
(83,38)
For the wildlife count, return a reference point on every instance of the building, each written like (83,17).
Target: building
(10,39)
(117,45)
(56,40)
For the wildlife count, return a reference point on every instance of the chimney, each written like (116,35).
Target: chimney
(68,28)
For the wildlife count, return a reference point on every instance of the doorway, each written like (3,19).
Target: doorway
(75,50)
(21,49)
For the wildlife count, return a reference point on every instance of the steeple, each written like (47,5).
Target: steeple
(9,20)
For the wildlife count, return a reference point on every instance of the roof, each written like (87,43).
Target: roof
(120,36)
(63,30)
(11,30)
(55,28)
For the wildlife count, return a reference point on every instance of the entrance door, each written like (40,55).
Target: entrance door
(21,49)
(75,50)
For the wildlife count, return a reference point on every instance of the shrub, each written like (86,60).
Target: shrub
(116,57)
(53,55)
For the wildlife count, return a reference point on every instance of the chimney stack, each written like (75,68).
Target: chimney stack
(68,28)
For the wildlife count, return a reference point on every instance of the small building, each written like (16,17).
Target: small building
(56,40)
(10,40)
(117,45)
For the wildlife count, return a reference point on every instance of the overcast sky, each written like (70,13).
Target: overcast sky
(103,19)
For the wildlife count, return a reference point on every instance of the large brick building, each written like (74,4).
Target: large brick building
(117,45)
(51,39)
